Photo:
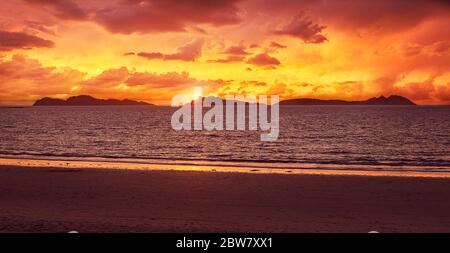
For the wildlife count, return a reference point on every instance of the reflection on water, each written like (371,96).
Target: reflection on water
(333,135)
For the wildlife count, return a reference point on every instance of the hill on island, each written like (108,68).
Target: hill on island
(391,100)
(84,100)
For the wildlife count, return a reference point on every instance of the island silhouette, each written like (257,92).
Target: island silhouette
(391,100)
(382,100)
(85,100)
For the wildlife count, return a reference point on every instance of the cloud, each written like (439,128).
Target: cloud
(345,90)
(234,54)
(372,43)
(196,29)
(63,9)
(108,78)
(434,48)
(24,80)
(228,59)
(39,27)
(302,27)
(440,47)
(236,50)
(443,93)
(424,92)
(187,52)
(145,16)
(416,90)
(273,47)
(19,40)
(350,89)
(114,77)
(254,83)
(278,89)
(148,16)
(380,15)
(276,45)
(157,88)
(247,87)
(27,79)
(151,55)
(263,60)
(169,79)
(383,15)
(22,67)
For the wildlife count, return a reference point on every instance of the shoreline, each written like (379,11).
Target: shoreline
(128,165)
(62,199)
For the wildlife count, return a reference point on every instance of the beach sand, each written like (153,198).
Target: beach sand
(62,199)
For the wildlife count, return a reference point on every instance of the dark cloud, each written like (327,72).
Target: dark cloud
(302,27)
(145,16)
(19,40)
(64,9)
(380,15)
(149,16)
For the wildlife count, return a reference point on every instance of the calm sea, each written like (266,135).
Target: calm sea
(356,137)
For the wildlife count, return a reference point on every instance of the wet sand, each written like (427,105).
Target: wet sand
(66,198)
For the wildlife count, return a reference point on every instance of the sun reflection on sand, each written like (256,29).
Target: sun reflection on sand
(71,164)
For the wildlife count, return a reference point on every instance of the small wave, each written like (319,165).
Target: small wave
(274,164)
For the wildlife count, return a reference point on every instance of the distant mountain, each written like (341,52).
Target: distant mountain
(392,100)
(85,100)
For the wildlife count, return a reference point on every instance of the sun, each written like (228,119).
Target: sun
(198,92)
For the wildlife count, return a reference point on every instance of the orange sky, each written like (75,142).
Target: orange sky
(152,50)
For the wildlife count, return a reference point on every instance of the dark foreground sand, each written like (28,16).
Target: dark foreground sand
(99,200)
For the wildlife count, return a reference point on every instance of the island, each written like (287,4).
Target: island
(85,100)
(391,100)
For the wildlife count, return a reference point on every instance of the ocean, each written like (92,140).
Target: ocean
(340,137)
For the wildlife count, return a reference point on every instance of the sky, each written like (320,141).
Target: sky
(152,50)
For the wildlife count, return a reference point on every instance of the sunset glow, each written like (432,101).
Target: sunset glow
(151,50)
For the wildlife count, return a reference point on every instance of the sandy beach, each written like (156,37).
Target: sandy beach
(61,199)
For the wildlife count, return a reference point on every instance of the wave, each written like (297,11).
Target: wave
(268,163)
